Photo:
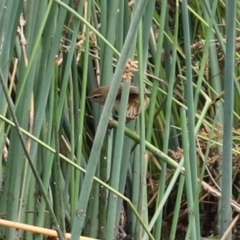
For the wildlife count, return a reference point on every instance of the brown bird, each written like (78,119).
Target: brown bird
(99,95)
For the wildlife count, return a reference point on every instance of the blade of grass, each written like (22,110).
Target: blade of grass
(190,106)
(229,76)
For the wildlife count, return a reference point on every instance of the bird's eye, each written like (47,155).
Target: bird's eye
(96,97)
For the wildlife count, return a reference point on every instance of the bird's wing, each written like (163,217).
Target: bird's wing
(134,89)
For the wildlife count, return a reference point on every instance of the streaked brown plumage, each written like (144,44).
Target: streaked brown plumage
(99,95)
